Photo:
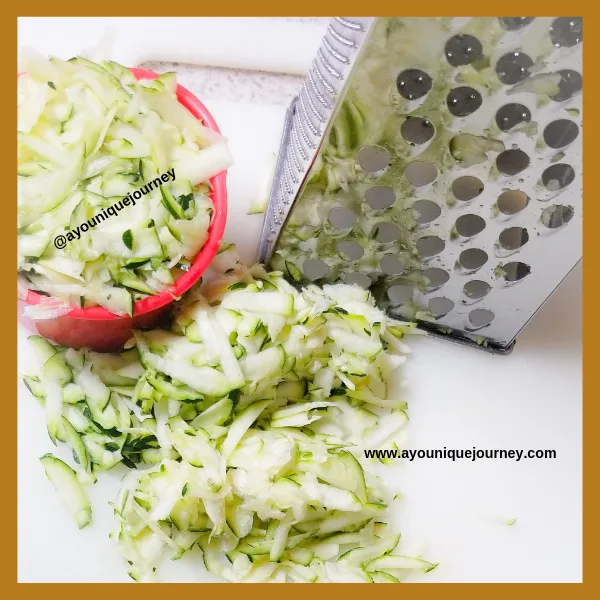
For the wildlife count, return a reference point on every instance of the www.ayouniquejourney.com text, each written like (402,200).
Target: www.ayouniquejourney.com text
(471,454)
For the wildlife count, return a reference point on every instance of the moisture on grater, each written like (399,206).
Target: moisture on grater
(449,166)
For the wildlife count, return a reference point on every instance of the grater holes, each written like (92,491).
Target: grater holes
(426,211)
(333,52)
(469,225)
(386,233)
(440,306)
(374,159)
(340,38)
(430,245)
(390,265)
(299,125)
(413,84)
(380,197)
(511,202)
(513,238)
(322,78)
(399,294)
(463,101)
(515,271)
(463,49)
(559,176)
(566,31)
(341,218)
(511,162)
(416,130)
(436,278)
(359,279)
(349,24)
(420,173)
(299,145)
(560,133)
(314,269)
(333,72)
(315,90)
(305,118)
(349,250)
(513,67)
(570,84)
(467,187)
(515,23)
(480,317)
(476,289)
(315,111)
(472,259)
(511,115)
(557,215)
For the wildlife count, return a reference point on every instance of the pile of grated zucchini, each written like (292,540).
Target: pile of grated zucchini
(89,135)
(243,427)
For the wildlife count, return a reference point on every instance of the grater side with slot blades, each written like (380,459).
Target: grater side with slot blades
(436,162)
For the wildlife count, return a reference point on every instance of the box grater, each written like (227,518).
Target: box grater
(436,162)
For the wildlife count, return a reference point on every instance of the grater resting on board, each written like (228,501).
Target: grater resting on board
(436,162)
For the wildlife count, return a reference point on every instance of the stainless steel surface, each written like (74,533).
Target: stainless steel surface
(320,92)
(460,203)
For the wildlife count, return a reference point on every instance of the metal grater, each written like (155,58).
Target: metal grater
(436,162)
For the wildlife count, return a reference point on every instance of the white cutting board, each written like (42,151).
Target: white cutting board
(452,513)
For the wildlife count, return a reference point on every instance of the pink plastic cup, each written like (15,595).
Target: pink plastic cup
(101,330)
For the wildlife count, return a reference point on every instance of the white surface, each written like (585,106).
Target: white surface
(238,43)
(461,398)
(452,513)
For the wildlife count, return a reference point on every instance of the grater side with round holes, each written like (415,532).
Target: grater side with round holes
(436,162)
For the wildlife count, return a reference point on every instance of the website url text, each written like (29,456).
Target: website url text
(471,454)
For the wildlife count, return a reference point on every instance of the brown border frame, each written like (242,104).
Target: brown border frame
(8,500)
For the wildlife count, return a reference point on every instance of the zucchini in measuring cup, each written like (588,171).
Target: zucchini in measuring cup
(100,154)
